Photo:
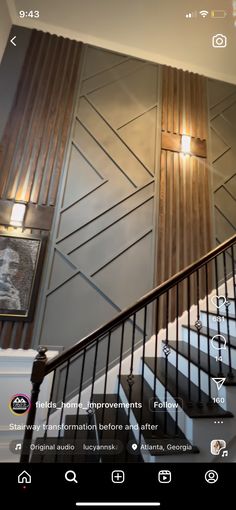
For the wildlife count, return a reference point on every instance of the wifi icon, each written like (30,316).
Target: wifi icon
(204,13)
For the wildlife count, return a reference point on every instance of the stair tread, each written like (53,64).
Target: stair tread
(212,332)
(214,366)
(193,411)
(146,416)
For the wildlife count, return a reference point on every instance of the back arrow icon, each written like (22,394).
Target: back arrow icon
(13,40)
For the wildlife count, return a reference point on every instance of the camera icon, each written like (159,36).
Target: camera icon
(219,41)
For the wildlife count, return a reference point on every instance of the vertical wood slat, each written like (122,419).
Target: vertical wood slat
(176,102)
(164,97)
(18,164)
(38,123)
(65,121)
(33,144)
(15,122)
(51,67)
(185,234)
(170,112)
(184,103)
(185,228)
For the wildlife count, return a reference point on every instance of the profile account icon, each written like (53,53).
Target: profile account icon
(211,476)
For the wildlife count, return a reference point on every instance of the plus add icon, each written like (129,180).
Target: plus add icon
(118,476)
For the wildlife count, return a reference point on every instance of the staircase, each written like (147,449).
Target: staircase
(144,381)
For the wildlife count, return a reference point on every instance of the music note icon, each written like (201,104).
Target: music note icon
(225,453)
(18,446)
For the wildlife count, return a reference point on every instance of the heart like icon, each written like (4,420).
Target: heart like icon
(134,446)
(218,301)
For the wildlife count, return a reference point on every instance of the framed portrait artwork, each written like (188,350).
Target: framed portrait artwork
(21,260)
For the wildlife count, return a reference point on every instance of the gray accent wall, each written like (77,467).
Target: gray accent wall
(101,257)
(222,107)
(10,69)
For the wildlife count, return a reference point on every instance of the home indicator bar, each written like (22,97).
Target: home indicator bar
(119,504)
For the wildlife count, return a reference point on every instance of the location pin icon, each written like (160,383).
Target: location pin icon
(134,446)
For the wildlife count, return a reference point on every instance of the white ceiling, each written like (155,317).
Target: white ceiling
(155,30)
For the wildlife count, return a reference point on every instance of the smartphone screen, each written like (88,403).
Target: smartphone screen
(117,252)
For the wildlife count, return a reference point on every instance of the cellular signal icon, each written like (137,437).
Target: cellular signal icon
(191,15)
(203,14)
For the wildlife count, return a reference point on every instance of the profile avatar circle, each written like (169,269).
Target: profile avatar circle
(19,404)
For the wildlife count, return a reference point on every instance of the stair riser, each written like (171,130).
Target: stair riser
(203,346)
(223,325)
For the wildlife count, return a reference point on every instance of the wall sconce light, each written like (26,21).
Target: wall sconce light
(186,143)
(17,215)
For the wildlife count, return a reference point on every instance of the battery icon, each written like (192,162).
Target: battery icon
(218,14)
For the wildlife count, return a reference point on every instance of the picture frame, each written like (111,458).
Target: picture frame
(21,262)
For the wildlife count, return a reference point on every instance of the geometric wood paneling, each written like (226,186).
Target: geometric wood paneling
(222,101)
(103,250)
(33,145)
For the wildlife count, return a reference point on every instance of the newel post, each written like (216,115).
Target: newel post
(37,377)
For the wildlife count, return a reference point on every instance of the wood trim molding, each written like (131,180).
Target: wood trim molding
(172,142)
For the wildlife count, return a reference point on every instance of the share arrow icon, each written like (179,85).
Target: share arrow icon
(219,381)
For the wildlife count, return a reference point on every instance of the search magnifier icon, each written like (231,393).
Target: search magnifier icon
(70,476)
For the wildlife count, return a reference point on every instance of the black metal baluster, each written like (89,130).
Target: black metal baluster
(177,359)
(208,335)
(155,357)
(120,369)
(91,409)
(234,280)
(166,359)
(62,408)
(220,373)
(189,343)
(130,378)
(142,380)
(94,370)
(49,411)
(106,376)
(79,394)
(121,358)
(230,373)
(198,341)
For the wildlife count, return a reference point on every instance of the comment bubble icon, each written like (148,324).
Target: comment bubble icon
(218,342)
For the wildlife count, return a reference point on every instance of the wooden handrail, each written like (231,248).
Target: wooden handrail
(145,300)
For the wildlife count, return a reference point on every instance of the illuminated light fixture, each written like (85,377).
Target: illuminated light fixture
(17,215)
(185,145)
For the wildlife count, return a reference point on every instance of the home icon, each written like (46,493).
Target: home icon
(24,477)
